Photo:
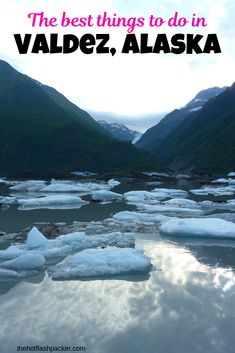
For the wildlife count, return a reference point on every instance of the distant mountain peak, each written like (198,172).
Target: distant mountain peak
(120,131)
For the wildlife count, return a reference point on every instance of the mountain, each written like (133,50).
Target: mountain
(204,139)
(41,132)
(140,122)
(151,140)
(120,131)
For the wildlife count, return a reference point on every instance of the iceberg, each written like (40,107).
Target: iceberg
(113,182)
(11,252)
(64,187)
(199,227)
(83,174)
(229,205)
(104,195)
(80,241)
(171,192)
(142,196)
(182,203)
(35,239)
(7,200)
(169,209)
(29,186)
(231,174)
(220,181)
(25,262)
(53,202)
(102,262)
(216,191)
(137,217)
(156,174)
(10,274)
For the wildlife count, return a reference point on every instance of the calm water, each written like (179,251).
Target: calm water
(185,305)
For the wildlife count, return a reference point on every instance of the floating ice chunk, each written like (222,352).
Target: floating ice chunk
(83,174)
(168,209)
(220,181)
(7,200)
(11,252)
(199,227)
(96,186)
(29,185)
(231,174)
(113,182)
(25,262)
(231,182)
(105,195)
(118,239)
(182,203)
(229,205)
(141,195)
(156,174)
(182,176)
(102,262)
(216,191)
(71,238)
(79,241)
(35,239)
(137,217)
(57,201)
(64,187)
(52,254)
(171,192)
(10,274)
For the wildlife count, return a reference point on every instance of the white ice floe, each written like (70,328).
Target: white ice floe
(182,203)
(156,174)
(64,187)
(11,252)
(83,174)
(29,186)
(35,239)
(52,202)
(231,174)
(102,262)
(182,176)
(210,205)
(137,217)
(216,191)
(64,245)
(199,227)
(161,208)
(96,186)
(104,195)
(220,181)
(7,200)
(25,262)
(14,275)
(142,196)
(171,192)
(113,182)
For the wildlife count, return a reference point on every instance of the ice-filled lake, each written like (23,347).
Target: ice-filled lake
(103,295)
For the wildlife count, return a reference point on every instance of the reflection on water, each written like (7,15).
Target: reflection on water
(187,305)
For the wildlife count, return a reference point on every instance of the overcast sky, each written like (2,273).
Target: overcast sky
(124,84)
